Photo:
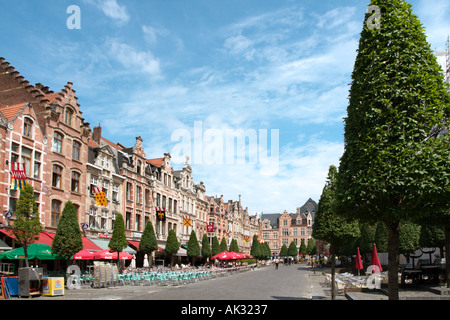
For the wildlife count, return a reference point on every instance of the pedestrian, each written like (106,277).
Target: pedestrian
(276,263)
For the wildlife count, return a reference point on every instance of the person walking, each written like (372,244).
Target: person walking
(276,263)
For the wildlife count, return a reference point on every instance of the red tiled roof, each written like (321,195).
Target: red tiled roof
(112,144)
(156,162)
(92,144)
(11,111)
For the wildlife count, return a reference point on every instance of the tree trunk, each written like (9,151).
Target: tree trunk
(333,273)
(393,258)
(447,255)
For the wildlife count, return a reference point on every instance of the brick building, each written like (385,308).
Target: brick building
(280,229)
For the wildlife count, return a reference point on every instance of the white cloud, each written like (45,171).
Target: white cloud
(135,60)
(111,9)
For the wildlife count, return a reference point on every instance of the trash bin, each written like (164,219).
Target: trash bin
(53,286)
(30,281)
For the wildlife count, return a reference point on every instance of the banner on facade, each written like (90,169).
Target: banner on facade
(18,176)
(187,222)
(161,213)
(246,239)
(210,227)
(227,233)
(100,197)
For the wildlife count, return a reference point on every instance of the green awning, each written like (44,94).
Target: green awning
(35,251)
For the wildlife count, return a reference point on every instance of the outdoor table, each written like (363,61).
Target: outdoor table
(431,271)
(413,274)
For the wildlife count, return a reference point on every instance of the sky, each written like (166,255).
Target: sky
(189,76)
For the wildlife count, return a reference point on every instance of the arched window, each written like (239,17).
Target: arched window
(56,176)
(68,116)
(56,212)
(57,142)
(75,185)
(28,128)
(76,148)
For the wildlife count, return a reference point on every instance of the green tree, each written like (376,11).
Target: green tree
(255,248)
(381,237)
(394,167)
(292,249)
(67,240)
(330,225)
(311,247)
(302,249)
(148,243)
(172,245)
(27,226)
(432,236)
(409,238)
(215,247)
(284,251)
(206,248)
(234,247)
(118,240)
(193,249)
(223,244)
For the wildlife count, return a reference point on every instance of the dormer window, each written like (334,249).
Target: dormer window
(28,128)
(139,166)
(68,116)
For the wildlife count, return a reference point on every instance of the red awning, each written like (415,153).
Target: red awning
(134,244)
(90,246)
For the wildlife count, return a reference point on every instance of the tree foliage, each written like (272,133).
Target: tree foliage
(206,248)
(148,242)
(396,162)
(27,225)
(67,240)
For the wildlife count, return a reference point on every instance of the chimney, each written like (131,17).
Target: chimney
(97,134)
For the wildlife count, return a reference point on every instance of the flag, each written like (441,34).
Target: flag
(18,176)
(100,197)
(161,213)
(187,222)
(227,233)
(210,227)
(246,239)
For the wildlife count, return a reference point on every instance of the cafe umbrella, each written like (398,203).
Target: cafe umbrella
(359,265)
(375,259)
(38,251)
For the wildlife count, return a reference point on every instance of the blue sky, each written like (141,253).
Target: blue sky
(150,68)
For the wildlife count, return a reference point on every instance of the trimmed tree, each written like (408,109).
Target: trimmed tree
(223,245)
(206,248)
(255,248)
(292,249)
(234,247)
(67,240)
(302,249)
(193,249)
(118,240)
(148,243)
(172,245)
(396,160)
(215,247)
(332,227)
(27,226)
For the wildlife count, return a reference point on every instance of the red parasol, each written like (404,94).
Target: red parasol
(108,255)
(359,265)
(375,260)
(225,255)
(83,255)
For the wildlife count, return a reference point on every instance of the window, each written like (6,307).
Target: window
(68,117)
(56,212)
(175,206)
(57,142)
(14,152)
(37,165)
(138,194)
(27,128)
(93,218)
(76,147)
(138,167)
(94,181)
(285,232)
(285,222)
(56,178)
(129,186)
(127,220)
(115,193)
(147,197)
(104,220)
(75,186)
(137,222)
(105,185)
(26,160)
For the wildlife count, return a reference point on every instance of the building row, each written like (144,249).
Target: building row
(65,159)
